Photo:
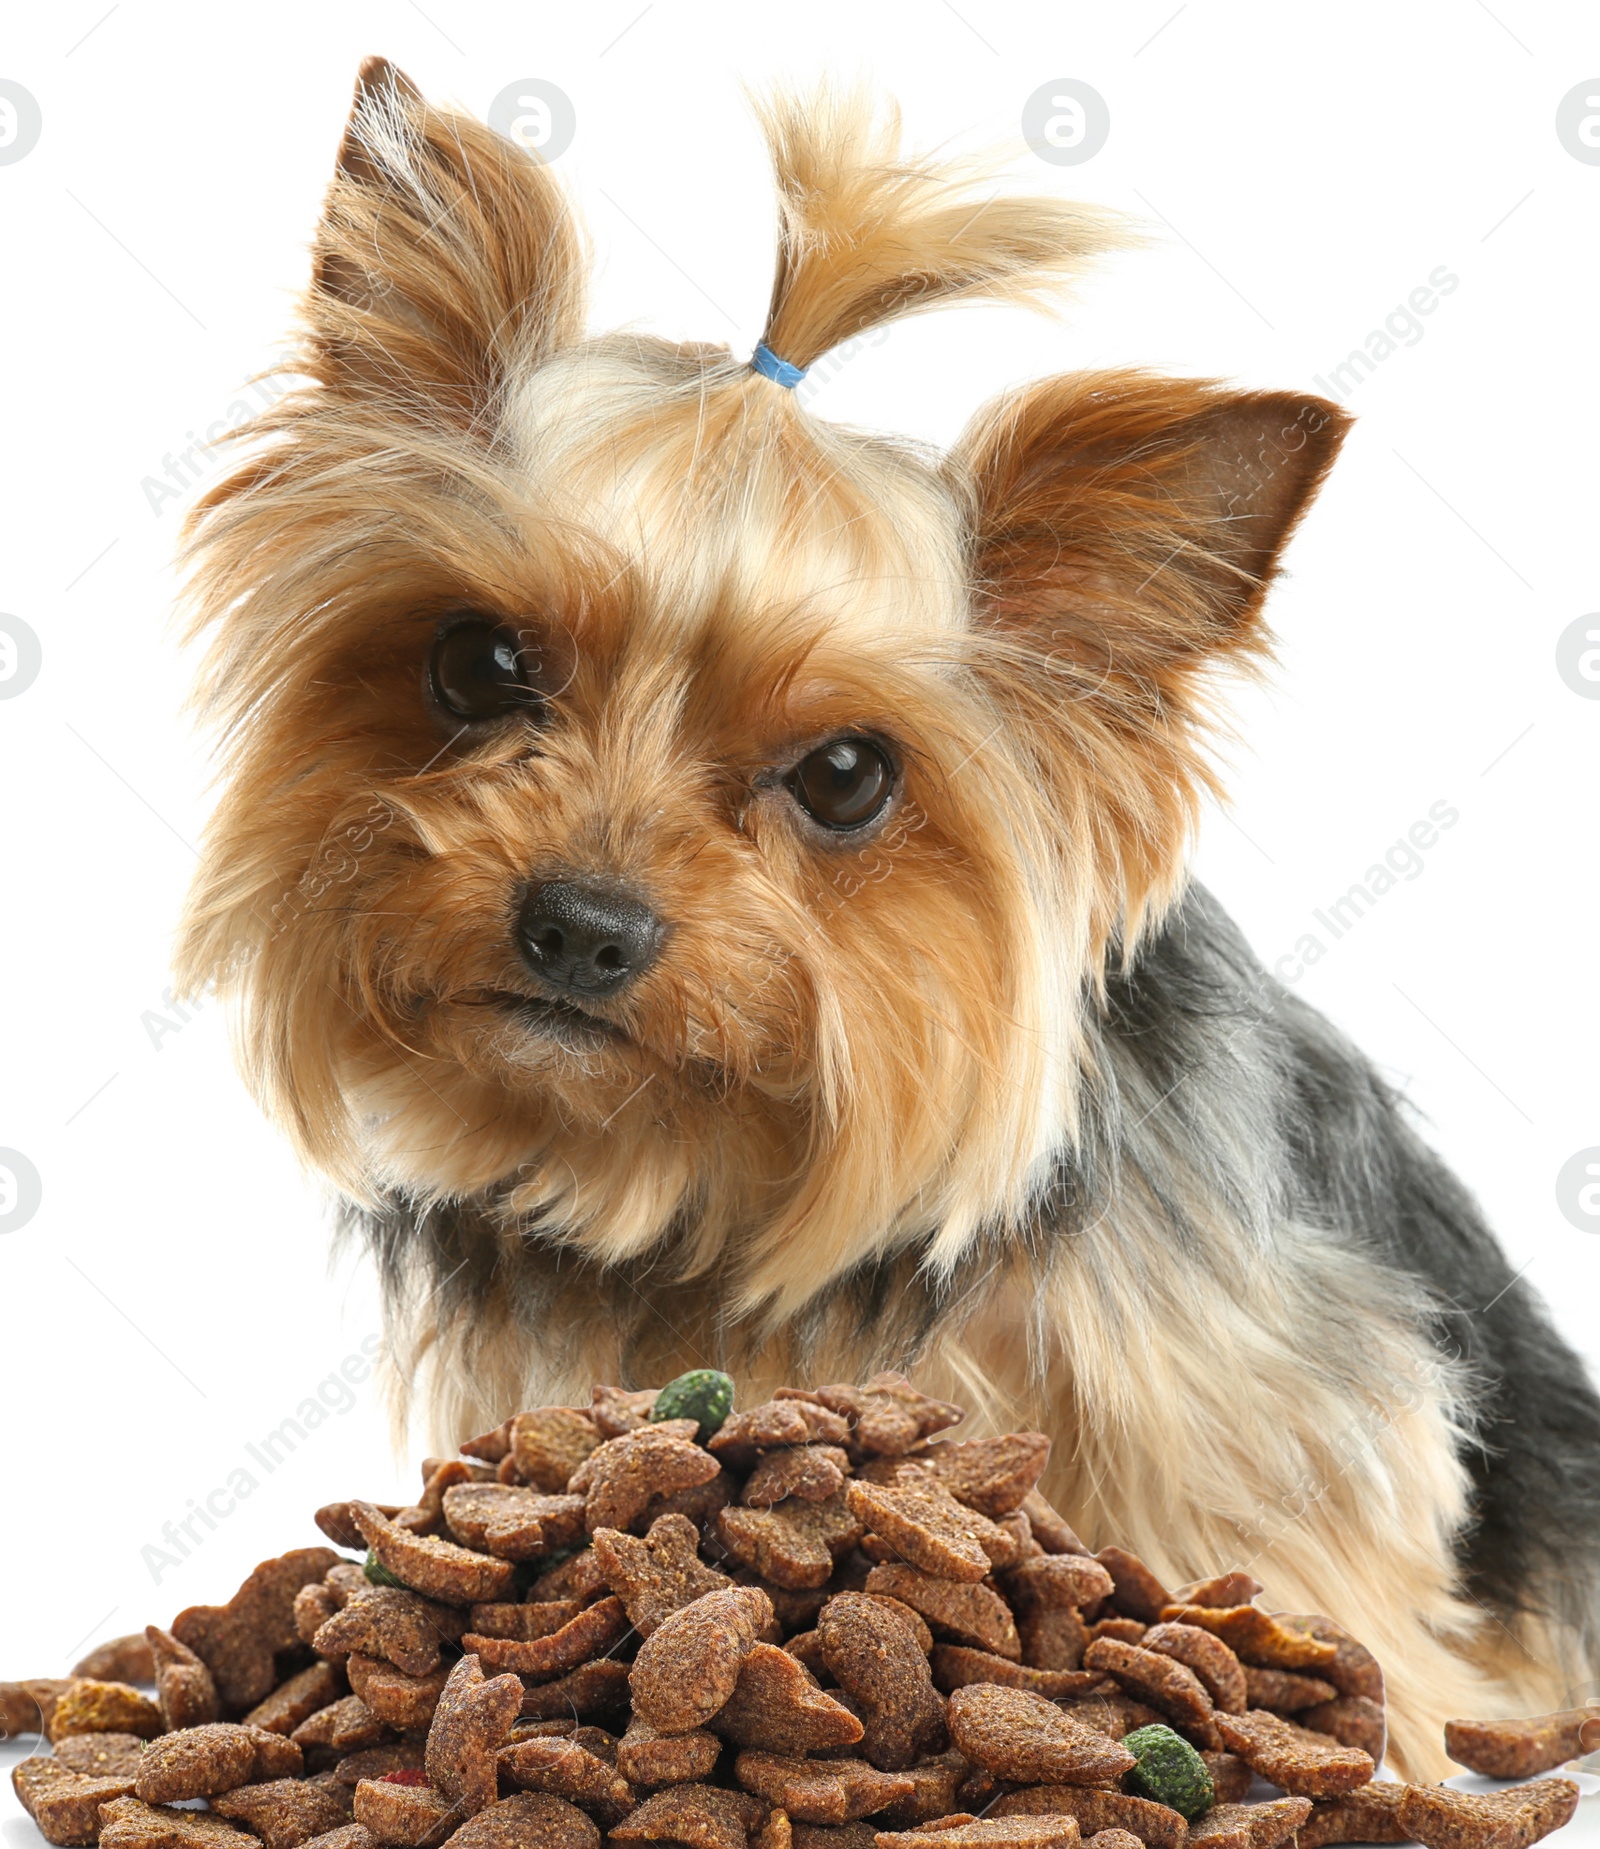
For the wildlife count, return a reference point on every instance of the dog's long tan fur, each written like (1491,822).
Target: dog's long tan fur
(843,1055)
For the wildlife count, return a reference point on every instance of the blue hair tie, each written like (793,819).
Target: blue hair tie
(767,363)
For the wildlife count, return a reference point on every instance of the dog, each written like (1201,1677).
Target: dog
(708,887)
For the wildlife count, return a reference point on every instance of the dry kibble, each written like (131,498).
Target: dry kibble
(970,1614)
(820,1790)
(1053,1582)
(1119,1630)
(120,1659)
(1231,1778)
(196,1762)
(405,1815)
(104,1707)
(102,1755)
(1353,1669)
(1249,1826)
(1112,1839)
(1028,1740)
(529,1820)
(1445,1819)
(1369,1814)
(590,1633)
(1209,1657)
(26,1707)
(697,1816)
(386,1622)
(568,1770)
(646,1757)
(346,1726)
(284,1813)
(812,1472)
(184,1689)
(992,1475)
(1521,1749)
(403,1702)
(777,1425)
(548,1444)
(1257,1637)
(615,1411)
(522,1621)
(1356,1720)
(1305,1764)
(591,1690)
(237,1641)
(1284,1691)
(1136,1592)
(513,1522)
(795,1543)
(63,1801)
(924,1525)
(964,1831)
(1173,1690)
(955,1666)
(657,1574)
(378,1762)
(621,1479)
(1223,1589)
(877,1658)
(1155,1825)
(298,1699)
(688,1668)
(470,1724)
(437,1569)
(776,1706)
(129,1823)
(887,1417)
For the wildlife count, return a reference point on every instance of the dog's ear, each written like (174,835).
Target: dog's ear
(1130,525)
(447,260)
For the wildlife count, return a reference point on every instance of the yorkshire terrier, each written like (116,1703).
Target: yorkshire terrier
(708,886)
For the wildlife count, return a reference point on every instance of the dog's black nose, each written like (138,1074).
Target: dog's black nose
(586,939)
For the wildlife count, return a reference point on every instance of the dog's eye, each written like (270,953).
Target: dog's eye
(480,670)
(843,784)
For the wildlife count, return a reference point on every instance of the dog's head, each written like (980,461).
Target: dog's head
(662,812)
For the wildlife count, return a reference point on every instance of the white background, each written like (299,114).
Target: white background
(1303,170)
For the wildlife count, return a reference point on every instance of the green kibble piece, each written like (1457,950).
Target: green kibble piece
(1169,1771)
(379,1574)
(703,1393)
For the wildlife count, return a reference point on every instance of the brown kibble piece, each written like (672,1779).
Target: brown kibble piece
(777,1707)
(776,1425)
(1155,1825)
(970,1614)
(1136,1592)
(347,1836)
(616,1412)
(238,1641)
(1054,1582)
(196,1762)
(378,1762)
(1249,1826)
(1049,1527)
(1052,1639)
(1522,1748)
(934,1785)
(1112,1713)
(956,1666)
(697,1816)
(928,1528)
(1284,1691)
(1256,1636)
(1225,1589)
(591,1633)
(876,1658)
(568,1770)
(591,1689)
(400,1701)
(812,1472)
(887,1416)
(401,1627)
(1353,1669)
(1169,1686)
(524,1622)
(284,1813)
(314,1605)
(426,1514)
(63,1801)
(1028,1740)
(835,1835)
(657,1574)
(338,1523)
(1305,1764)
(437,1569)
(129,1823)
(549,1443)
(1445,1819)
(184,1687)
(120,1659)
(529,1820)
(405,1816)
(26,1707)
(512,1522)
(1369,1814)
(688,1668)
(1119,1630)
(625,1475)
(469,1726)
(346,1726)
(1112,1839)
(1208,1656)
(1231,1778)
(991,1475)
(297,1699)
(104,1707)
(577,1577)
(102,1755)
(795,1543)
(1353,1720)
(964,1831)
(646,1756)
(820,1790)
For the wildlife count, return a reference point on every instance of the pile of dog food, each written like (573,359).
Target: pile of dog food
(812,1624)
